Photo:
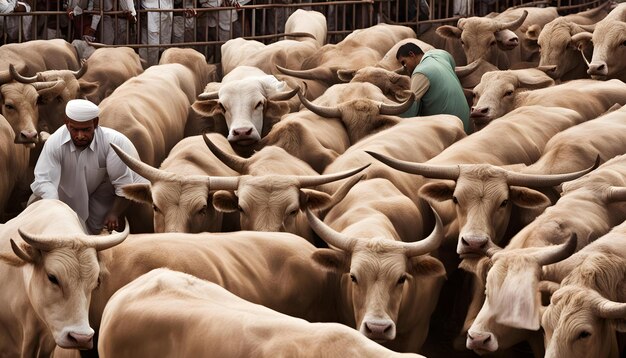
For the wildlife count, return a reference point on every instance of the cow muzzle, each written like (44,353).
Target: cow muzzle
(74,339)
(481,342)
(26,137)
(379,329)
(244,136)
(470,245)
(598,70)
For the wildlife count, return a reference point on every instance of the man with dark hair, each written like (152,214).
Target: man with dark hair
(437,88)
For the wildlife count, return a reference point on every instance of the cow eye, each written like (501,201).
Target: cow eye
(508,93)
(156,209)
(9,106)
(202,211)
(402,279)
(260,104)
(505,202)
(584,334)
(474,95)
(293,212)
(462,43)
(624,43)
(353,278)
(53,279)
(493,43)
(455,200)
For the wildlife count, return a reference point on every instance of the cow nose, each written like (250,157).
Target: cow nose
(479,340)
(475,242)
(28,134)
(81,339)
(379,329)
(479,111)
(598,69)
(245,131)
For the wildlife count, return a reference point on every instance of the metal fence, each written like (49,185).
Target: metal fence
(207,24)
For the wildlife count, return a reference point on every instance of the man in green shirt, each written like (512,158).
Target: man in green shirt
(437,88)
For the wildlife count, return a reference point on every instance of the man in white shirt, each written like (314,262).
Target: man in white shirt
(78,166)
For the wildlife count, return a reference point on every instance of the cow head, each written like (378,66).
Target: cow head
(394,85)
(482,37)
(609,47)
(513,299)
(496,93)
(246,105)
(382,273)
(580,320)
(557,48)
(181,203)
(62,272)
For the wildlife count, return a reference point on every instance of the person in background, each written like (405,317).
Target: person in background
(435,84)
(78,166)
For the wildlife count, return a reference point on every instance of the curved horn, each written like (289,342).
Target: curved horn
(19,78)
(81,71)
(317,73)
(44,242)
(546,68)
(208,95)
(103,242)
(300,34)
(393,110)
(608,309)
(328,234)
(616,193)
(556,253)
(283,96)
(428,244)
(430,171)
(223,183)
(512,25)
(139,167)
(327,112)
(39,86)
(532,180)
(234,162)
(314,180)
(462,71)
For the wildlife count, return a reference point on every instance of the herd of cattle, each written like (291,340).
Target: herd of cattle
(290,211)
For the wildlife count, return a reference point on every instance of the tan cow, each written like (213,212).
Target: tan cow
(268,196)
(587,309)
(496,39)
(37,56)
(143,317)
(151,109)
(307,21)
(389,282)
(589,207)
(102,77)
(49,268)
(608,45)
(14,176)
(196,62)
(496,95)
(178,192)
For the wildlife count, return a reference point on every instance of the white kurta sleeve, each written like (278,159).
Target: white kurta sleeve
(48,172)
(118,172)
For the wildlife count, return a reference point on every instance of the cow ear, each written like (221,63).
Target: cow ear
(383,122)
(314,199)
(528,198)
(533,32)
(139,192)
(208,108)
(426,266)
(25,254)
(332,260)
(534,80)
(346,75)
(88,88)
(450,32)
(276,109)
(225,201)
(438,191)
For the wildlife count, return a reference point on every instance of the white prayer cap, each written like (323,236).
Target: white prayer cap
(81,110)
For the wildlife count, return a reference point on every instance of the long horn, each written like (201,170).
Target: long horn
(556,253)
(532,180)
(512,25)
(139,167)
(19,78)
(45,242)
(223,183)
(81,71)
(283,96)
(327,112)
(397,109)
(428,244)
(430,171)
(103,242)
(314,180)
(608,309)
(234,162)
(616,193)
(328,234)
(318,73)
(462,71)
(208,95)
(39,86)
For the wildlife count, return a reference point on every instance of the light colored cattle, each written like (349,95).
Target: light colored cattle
(268,194)
(203,318)
(394,86)
(14,161)
(608,45)
(37,56)
(587,309)
(589,207)
(486,38)
(496,95)
(49,269)
(194,61)
(102,78)
(557,47)
(151,109)
(307,21)
(249,100)
(390,286)
(178,192)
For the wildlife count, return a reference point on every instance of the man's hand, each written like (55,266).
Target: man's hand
(111,222)
(130,17)
(234,3)
(70,13)
(189,13)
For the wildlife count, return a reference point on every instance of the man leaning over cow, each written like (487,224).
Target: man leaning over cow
(78,167)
